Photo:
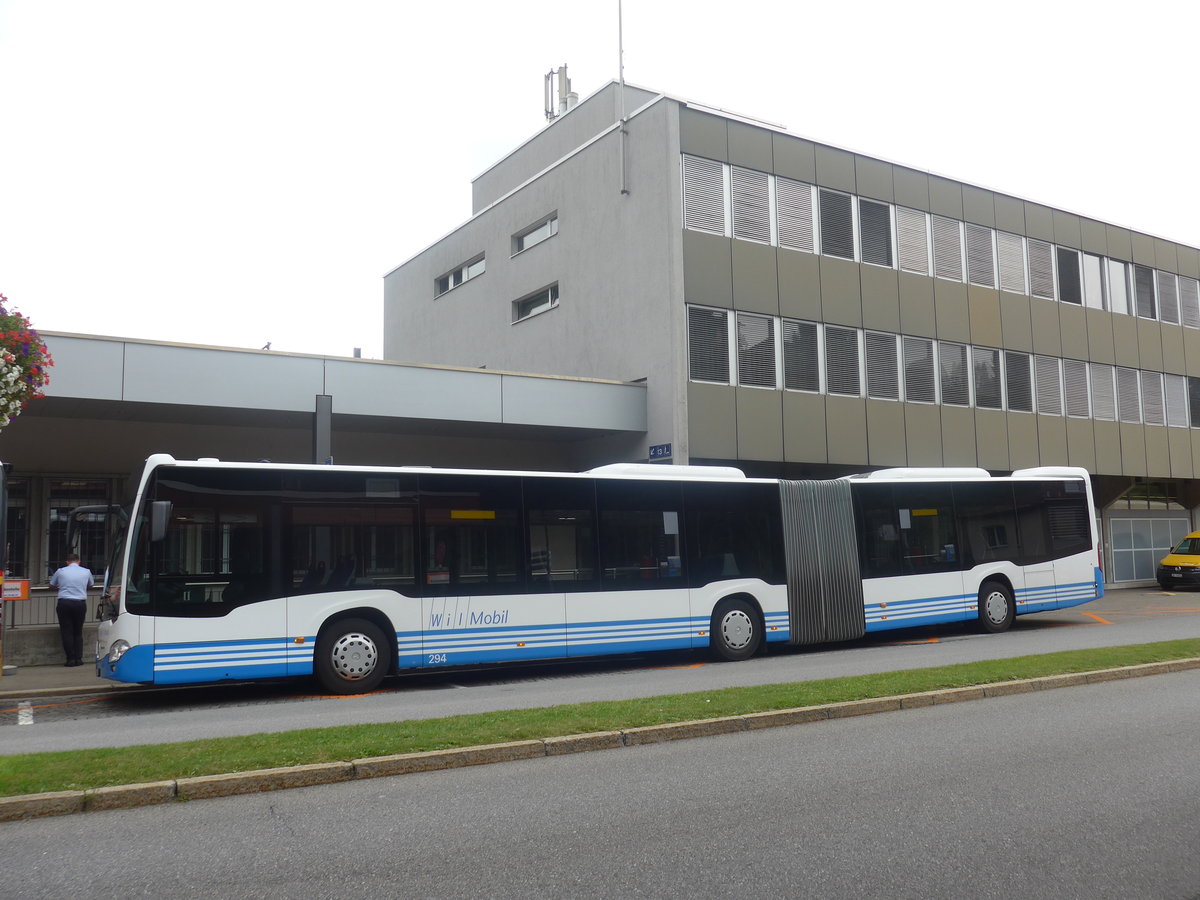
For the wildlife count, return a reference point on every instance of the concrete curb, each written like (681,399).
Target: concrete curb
(32,806)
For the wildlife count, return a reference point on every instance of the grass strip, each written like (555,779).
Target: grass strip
(34,773)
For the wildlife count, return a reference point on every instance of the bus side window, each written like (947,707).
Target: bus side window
(878,529)
(640,540)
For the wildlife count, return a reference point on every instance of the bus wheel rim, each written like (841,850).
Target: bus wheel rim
(997,607)
(354,656)
(737,629)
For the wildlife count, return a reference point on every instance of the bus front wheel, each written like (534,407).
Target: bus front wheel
(736,633)
(996,607)
(351,657)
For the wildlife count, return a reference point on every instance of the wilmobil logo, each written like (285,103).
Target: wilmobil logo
(449,614)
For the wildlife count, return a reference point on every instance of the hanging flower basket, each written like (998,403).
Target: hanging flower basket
(24,363)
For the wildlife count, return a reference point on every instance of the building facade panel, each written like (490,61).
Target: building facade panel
(923,434)
(984,309)
(1133,450)
(759,424)
(880,299)
(794,158)
(707,269)
(755,277)
(885,432)
(991,437)
(873,178)
(952,313)
(841,292)
(711,421)
(1100,336)
(918,311)
(846,430)
(958,437)
(1023,441)
(835,168)
(704,135)
(1081,444)
(804,428)
(799,285)
(1047,331)
(750,147)
(1073,330)
(1149,337)
(1016,322)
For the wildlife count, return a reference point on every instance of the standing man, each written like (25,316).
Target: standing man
(72,581)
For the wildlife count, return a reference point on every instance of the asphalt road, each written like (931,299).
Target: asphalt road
(1088,792)
(156,716)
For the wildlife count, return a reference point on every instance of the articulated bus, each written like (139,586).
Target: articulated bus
(234,571)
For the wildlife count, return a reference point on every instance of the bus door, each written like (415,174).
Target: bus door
(643,601)
(476,605)
(912,555)
(1036,557)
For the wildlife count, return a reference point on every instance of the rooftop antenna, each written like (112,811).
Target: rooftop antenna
(624,133)
(565,99)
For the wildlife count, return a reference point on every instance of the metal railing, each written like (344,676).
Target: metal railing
(39,609)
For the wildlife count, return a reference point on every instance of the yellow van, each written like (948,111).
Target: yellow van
(1182,565)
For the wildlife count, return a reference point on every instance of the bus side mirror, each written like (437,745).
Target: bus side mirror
(160,518)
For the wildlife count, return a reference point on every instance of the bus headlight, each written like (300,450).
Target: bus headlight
(117,650)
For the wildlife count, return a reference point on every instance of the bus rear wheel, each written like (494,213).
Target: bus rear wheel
(351,657)
(996,607)
(735,633)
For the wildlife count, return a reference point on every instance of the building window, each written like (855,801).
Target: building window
(756,350)
(1010,250)
(920,386)
(1018,381)
(457,276)
(801,359)
(1118,287)
(1041,269)
(750,194)
(1189,302)
(1143,292)
(1193,387)
(841,361)
(703,194)
(530,237)
(875,232)
(540,301)
(981,264)
(956,384)
(1129,402)
(1049,385)
(1093,281)
(837,224)
(1152,398)
(1075,382)
(1177,406)
(1104,398)
(913,229)
(1168,298)
(883,379)
(947,248)
(985,363)
(708,344)
(794,214)
(1069,286)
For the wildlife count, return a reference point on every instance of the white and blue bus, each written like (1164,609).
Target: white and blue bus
(234,571)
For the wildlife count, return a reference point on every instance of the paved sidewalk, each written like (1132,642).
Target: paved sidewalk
(37,681)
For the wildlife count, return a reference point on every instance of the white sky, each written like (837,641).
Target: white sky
(241,171)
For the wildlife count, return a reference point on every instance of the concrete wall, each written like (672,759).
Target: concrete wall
(612,260)
(570,130)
